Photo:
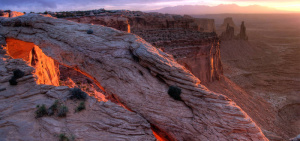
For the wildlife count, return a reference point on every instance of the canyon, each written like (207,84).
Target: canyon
(199,52)
(133,75)
(191,41)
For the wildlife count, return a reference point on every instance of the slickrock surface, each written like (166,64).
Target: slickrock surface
(137,75)
(197,51)
(99,121)
(189,40)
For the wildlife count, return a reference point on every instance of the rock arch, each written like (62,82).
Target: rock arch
(107,56)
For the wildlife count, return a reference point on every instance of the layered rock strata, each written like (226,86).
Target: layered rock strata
(99,120)
(198,52)
(189,40)
(132,21)
(138,76)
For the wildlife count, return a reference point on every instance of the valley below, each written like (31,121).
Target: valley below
(149,76)
(267,66)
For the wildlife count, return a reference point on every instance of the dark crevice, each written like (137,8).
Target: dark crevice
(160,78)
(160,134)
(135,58)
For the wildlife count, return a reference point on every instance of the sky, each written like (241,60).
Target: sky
(141,5)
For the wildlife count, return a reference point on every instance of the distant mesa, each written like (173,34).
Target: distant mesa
(228,21)
(222,8)
(10,14)
(229,34)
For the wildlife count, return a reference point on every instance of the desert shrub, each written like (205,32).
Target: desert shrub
(89,31)
(77,93)
(53,108)
(80,107)
(174,92)
(1,13)
(18,73)
(63,137)
(13,81)
(41,111)
(62,111)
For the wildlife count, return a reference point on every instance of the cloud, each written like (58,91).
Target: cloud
(24,3)
(56,5)
(67,5)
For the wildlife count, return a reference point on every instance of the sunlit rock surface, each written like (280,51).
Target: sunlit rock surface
(135,21)
(46,68)
(99,121)
(138,76)
(190,40)
(10,14)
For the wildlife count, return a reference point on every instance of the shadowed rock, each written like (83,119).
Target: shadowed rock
(107,54)
(105,120)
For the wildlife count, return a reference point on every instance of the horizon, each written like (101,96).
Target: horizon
(292,6)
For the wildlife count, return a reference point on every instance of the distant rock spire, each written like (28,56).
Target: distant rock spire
(228,34)
(243,35)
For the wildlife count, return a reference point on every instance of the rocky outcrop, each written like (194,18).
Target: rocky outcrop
(197,51)
(228,34)
(182,36)
(99,120)
(118,22)
(228,21)
(242,35)
(46,69)
(138,76)
(10,14)
(136,21)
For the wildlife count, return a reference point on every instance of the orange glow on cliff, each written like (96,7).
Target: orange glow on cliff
(46,69)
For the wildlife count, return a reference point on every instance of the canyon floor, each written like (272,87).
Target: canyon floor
(267,65)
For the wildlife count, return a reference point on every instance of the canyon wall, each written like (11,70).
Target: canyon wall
(135,21)
(138,76)
(120,23)
(189,40)
(197,51)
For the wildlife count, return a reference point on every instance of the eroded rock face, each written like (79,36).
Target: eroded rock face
(228,21)
(184,37)
(10,14)
(46,69)
(100,120)
(138,75)
(197,51)
(242,35)
(120,23)
(228,32)
(135,21)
